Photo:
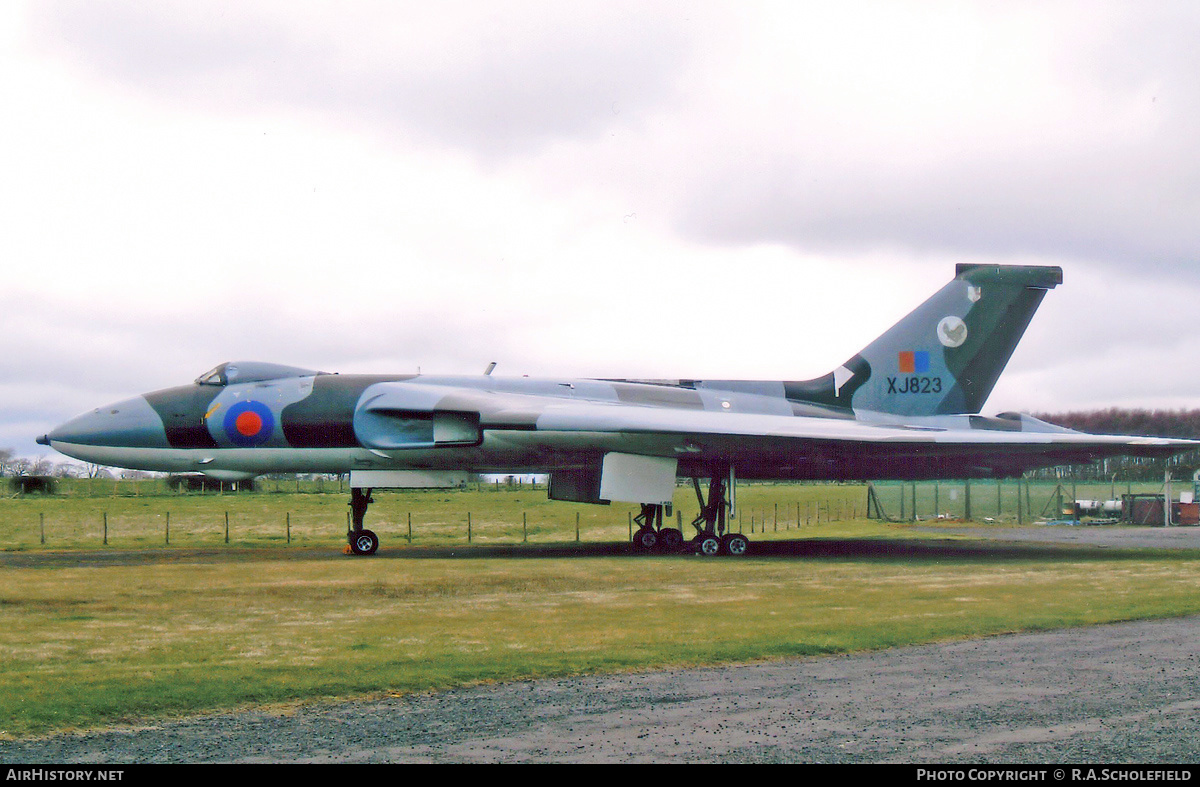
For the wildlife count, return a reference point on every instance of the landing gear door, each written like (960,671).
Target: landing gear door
(631,478)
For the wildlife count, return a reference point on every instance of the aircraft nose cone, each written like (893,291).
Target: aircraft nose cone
(128,424)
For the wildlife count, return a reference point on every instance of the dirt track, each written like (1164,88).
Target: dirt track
(1121,693)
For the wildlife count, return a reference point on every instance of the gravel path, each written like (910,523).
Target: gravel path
(1127,692)
(1120,693)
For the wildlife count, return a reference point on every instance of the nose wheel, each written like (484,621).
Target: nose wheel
(362,541)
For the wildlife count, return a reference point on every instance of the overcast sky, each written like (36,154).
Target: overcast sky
(644,189)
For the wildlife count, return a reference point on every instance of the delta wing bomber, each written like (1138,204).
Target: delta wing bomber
(905,407)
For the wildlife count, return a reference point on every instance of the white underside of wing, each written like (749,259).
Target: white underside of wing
(590,417)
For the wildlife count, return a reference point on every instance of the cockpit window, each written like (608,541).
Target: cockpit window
(251,372)
(213,376)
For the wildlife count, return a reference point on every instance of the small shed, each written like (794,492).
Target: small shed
(29,484)
(1148,510)
(202,483)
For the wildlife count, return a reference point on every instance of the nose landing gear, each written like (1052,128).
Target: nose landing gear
(362,541)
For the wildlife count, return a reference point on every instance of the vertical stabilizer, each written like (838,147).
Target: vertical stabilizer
(946,356)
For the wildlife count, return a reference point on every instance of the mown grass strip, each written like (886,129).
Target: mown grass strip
(95,638)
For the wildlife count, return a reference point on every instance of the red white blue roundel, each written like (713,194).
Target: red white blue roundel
(248,424)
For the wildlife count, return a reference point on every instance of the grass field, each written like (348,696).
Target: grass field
(141,630)
(127,514)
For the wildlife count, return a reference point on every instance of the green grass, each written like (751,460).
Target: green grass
(138,630)
(504,515)
(137,513)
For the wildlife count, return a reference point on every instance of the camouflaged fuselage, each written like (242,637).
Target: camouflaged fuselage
(340,423)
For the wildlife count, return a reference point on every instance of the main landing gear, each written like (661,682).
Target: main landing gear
(362,541)
(711,536)
(651,534)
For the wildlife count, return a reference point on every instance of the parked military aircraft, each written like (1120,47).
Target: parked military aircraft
(905,407)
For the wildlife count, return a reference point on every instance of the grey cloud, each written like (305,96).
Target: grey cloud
(1089,186)
(1140,209)
(494,93)
(1075,184)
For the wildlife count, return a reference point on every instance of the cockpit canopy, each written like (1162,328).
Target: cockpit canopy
(235,372)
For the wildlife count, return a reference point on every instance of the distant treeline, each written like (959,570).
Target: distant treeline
(1148,423)
(1115,420)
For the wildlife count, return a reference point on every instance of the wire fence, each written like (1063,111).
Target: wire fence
(1017,501)
(136,513)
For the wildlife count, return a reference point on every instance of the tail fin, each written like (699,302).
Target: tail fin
(946,356)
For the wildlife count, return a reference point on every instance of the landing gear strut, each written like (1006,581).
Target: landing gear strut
(362,541)
(711,537)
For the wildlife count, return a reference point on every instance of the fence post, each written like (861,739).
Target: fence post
(226,525)
(167,539)
(410,528)
(525,528)
(576,527)
(967,492)
(1166,498)
(106,528)
(42,525)
(469,523)
(289,527)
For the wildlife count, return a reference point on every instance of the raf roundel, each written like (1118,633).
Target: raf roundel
(249,424)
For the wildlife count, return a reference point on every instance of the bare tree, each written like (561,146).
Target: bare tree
(66,470)
(96,471)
